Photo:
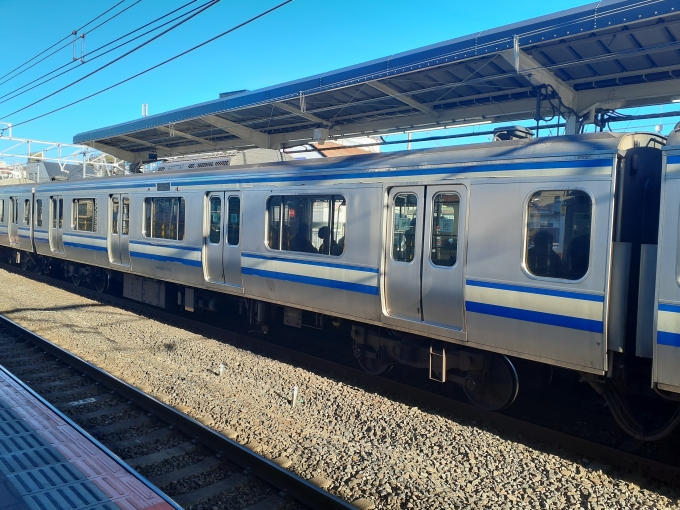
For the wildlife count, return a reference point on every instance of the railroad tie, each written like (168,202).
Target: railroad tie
(207,464)
(102,412)
(51,373)
(75,391)
(69,405)
(152,436)
(155,458)
(192,498)
(273,502)
(11,350)
(32,356)
(56,384)
(121,425)
(21,371)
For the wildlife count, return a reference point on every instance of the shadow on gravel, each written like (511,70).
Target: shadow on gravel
(587,470)
(44,324)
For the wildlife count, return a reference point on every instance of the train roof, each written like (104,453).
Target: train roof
(553,147)
(538,148)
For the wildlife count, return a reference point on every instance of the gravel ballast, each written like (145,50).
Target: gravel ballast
(352,440)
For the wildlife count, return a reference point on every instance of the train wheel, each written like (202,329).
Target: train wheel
(76,279)
(101,281)
(371,363)
(497,387)
(24,262)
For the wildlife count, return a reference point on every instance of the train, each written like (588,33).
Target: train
(562,251)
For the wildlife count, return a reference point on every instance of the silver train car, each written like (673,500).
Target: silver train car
(457,260)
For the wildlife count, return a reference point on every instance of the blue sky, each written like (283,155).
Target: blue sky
(301,39)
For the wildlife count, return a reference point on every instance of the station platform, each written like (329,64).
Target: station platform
(48,463)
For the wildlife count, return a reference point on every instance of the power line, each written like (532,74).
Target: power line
(61,40)
(73,42)
(112,17)
(206,6)
(97,49)
(97,17)
(247,22)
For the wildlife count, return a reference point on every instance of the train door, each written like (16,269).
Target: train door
(119,230)
(423,279)
(13,224)
(57,224)
(222,238)
(666,347)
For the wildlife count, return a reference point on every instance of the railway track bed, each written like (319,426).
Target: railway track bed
(346,434)
(197,468)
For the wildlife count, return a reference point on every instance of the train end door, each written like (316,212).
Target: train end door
(119,230)
(424,269)
(222,238)
(666,347)
(56,224)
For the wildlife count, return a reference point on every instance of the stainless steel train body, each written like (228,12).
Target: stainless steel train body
(665,347)
(437,244)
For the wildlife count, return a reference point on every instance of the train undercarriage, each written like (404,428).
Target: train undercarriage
(489,380)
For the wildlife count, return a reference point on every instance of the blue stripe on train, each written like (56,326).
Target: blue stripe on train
(311,263)
(85,236)
(534,290)
(550,319)
(171,246)
(667,338)
(320,282)
(163,258)
(85,246)
(669,308)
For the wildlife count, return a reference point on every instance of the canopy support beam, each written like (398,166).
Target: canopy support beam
(300,113)
(386,89)
(249,135)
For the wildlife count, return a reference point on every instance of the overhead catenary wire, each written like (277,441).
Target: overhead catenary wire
(69,43)
(63,39)
(240,25)
(89,53)
(148,41)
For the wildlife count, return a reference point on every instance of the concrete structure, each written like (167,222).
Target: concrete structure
(575,64)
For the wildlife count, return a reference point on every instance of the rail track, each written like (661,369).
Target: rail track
(521,429)
(194,465)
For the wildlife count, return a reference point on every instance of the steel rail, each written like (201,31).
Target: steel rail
(551,438)
(296,487)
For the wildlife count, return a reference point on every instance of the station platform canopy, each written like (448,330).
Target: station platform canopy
(602,56)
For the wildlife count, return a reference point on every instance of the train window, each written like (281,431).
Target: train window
(558,234)
(164,218)
(38,212)
(84,214)
(444,248)
(2,211)
(308,224)
(234,220)
(61,213)
(15,211)
(27,212)
(215,220)
(115,211)
(274,222)
(126,216)
(405,217)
